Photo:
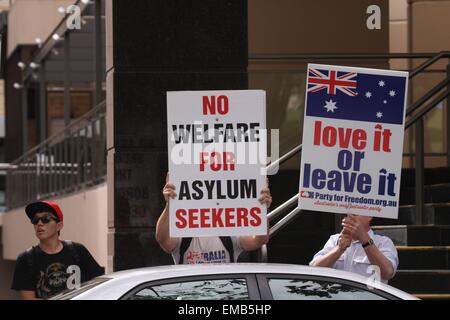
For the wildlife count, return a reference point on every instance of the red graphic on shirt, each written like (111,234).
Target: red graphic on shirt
(193,257)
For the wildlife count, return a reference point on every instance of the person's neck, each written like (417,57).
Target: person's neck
(51,246)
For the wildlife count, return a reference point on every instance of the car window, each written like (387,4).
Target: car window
(221,289)
(307,289)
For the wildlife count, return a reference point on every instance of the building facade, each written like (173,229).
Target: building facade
(85,102)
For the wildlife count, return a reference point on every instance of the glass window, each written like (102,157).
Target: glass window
(302,289)
(223,289)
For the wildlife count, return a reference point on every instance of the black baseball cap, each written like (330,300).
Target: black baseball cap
(42,206)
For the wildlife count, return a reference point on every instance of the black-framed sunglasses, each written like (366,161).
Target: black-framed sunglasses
(45,219)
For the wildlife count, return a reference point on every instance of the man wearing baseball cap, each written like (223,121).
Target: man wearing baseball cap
(53,265)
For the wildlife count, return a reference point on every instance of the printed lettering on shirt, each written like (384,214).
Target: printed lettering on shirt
(194,257)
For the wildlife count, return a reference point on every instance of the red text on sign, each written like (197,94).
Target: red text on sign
(218,217)
(213,104)
(382,137)
(329,136)
(217,161)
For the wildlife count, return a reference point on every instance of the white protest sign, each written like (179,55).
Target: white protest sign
(353,140)
(217,156)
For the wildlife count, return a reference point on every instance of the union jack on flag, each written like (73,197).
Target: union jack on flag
(359,94)
(332,80)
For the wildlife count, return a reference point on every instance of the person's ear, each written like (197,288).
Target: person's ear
(60,225)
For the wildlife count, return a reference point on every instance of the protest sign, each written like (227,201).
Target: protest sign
(353,140)
(217,157)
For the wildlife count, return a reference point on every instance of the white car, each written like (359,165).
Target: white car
(236,281)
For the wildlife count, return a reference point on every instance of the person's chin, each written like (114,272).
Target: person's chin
(42,235)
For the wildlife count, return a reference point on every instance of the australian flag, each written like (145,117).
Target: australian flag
(355,95)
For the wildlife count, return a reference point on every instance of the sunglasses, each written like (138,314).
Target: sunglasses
(45,219)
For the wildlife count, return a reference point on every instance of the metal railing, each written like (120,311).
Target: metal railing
(76,156)
(415,114)
(68,161)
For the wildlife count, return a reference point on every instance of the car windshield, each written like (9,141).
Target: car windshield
(72,293)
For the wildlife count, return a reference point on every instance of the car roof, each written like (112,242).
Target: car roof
(175,271)
(123,281)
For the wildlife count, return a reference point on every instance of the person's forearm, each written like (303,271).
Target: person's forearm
(162,226)
(249,243)
(261,240)
(329,259)
(162,230)
(376,257)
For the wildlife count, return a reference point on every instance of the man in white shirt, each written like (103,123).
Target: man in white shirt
(357,248)
(205,249)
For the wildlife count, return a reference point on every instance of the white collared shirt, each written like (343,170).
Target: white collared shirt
(354,259)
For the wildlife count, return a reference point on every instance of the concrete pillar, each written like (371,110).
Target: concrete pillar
(154,47)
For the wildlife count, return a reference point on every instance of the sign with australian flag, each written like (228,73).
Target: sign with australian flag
(353,140)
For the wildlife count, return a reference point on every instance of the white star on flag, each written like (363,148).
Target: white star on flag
(384,101)
(368,94)
(381,83)
(330,105)
(379,115)
(392,93)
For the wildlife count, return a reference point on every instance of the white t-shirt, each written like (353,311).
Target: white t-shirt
(207,250)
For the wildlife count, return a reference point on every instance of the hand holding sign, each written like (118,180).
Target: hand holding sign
(169,190)
(266,197)
(344,242)
(352,227)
